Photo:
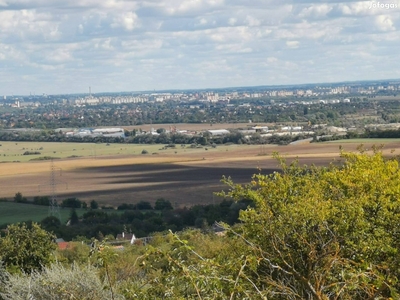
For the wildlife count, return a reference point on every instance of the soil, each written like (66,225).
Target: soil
(183,179)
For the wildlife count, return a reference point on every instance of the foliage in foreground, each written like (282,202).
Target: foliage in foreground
(325,233)
(56,282)
(26,248)
(312,233)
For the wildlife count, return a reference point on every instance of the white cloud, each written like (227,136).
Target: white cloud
(358,8)
(252,22)
(293,44)
(384,23)
(232,21)
(147,44)
(271,60)
(128,21)
(316,11)
(181,7)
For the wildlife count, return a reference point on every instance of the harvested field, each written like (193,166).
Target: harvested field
(187,177)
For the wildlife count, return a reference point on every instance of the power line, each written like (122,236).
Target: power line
(54,209)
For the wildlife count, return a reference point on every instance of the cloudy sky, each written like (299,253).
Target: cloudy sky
(53,46)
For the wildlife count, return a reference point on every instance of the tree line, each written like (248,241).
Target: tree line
(201,139)
(142,217)
(367,134)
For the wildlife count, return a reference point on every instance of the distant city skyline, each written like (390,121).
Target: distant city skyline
(342,89)
(311,85)
(49,47)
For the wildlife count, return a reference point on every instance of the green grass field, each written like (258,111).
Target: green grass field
(11,212)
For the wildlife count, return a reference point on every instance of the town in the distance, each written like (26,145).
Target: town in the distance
(306,94)
(275,114)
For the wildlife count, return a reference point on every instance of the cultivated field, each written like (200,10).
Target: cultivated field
(120,174)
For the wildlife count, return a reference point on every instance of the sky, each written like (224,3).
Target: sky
(57,47)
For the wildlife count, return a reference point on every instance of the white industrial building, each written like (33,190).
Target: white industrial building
(106,132)
(218,132)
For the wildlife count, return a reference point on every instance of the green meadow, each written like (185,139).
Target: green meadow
(11,212)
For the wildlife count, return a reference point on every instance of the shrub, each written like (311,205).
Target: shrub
(44,158)
(143,205)
(26,248)
(56,282)
(71,202)
(162,204)
(31,153)
(107,207)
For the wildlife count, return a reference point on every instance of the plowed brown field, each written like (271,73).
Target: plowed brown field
(184,178)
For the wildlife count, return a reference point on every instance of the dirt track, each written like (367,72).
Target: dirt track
(184,179)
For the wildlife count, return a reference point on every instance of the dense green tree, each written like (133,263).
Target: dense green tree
(94,204)
(325,233)
(73,219)
(162,204)
(41,200)
(95,217)
(143,205)
(26,248)
(50,223)
(19,198)
(71,202)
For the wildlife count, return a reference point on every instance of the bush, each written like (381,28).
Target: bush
(126,206)
(322,221)
(44,158)
(107,207)
(19,198)
(31,153)
(26,248)
(71,202)
(162,204)
(56,282)
(94,204)
(144,151)
(143,205)
(41,200)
